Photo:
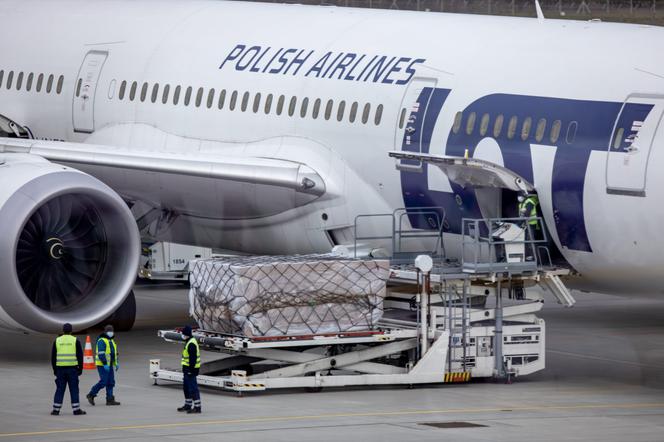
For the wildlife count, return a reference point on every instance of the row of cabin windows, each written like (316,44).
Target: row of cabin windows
(246,101)
(524,132)
(20,80)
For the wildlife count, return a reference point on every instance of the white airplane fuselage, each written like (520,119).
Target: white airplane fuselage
(561,90)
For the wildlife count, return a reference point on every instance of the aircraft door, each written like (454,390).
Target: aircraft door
(411,117)
(633,136)
(84,92)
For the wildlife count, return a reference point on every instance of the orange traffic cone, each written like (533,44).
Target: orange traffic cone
(88,358)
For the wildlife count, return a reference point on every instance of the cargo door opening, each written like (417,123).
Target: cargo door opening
(497,188)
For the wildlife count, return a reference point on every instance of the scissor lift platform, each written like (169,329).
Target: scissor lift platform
(386,356)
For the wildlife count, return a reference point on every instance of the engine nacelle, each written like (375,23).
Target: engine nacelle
(69,246)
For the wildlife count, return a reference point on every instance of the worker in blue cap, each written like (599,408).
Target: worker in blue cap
(191,364)
(67,363)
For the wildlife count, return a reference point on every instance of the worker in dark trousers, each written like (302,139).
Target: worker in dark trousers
(67,362)
(191,363)
(106,360)
(528,205)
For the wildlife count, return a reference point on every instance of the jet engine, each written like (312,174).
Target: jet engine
(69,247)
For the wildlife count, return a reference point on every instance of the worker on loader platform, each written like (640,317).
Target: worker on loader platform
(191,363)
(528,209)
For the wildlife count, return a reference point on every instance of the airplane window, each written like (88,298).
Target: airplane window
(328,109)
(402,118)
(19,81)
(176,95)
(379,114)
(365,113)
(78,87)
(231,105)
(291,106)
(222,98)
(121,93)
(511,127)
(28,85)
(555,131)
(619,137)
(187,95)
(525,128)
(245,101)
(257,102)
(457,122)
(40,81)
(155,93)
(470,123)
(164,95)
(2,74)
(144,91)
(571,132)
(353,112)
(210,98)
(541,128)
(303,107)
(111,88)
(280,104)
(268,104)
(10,79)
(484,124)
(316,111)
(199,97)
(340,111)
(49,84)
(61,82)
(132,91)
(498,125)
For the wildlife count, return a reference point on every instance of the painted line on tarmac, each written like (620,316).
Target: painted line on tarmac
(337,415)
(603,359)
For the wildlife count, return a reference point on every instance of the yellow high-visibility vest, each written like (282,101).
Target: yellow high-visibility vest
(185,353)
(106,352)
(65,348)
(533,211)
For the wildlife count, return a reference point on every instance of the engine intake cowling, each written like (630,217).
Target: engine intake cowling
(69,246)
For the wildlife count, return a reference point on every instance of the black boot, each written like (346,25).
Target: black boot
(111,401)
(55,413)
(91,399)
(79,412)
(195,410)
(185,407)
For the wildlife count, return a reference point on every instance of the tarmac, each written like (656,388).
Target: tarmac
(604,381)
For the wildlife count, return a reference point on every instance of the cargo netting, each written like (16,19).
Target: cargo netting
(287,295)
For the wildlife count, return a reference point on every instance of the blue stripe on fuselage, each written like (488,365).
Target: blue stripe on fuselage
(584,126)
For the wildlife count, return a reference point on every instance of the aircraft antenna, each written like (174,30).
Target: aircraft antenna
(540,14)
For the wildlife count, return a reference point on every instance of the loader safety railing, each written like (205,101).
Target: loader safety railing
(395,231)
(512,245)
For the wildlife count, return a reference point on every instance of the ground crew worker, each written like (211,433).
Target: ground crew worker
(191,363)
(106,360)
(67,362)
(528,209)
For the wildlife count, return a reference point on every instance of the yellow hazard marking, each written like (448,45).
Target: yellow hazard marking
(341,415)
(254,385)
(457,377)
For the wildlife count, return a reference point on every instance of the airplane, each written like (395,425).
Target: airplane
(268,128)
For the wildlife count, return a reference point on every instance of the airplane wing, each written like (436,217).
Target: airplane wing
(198,184)
(472,172)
